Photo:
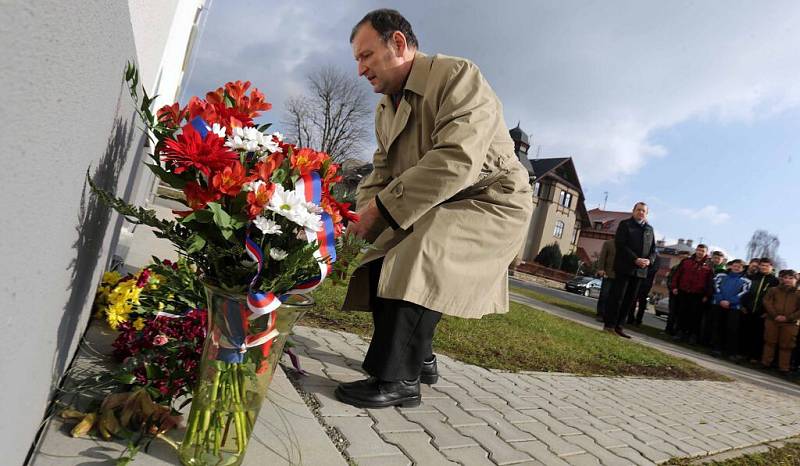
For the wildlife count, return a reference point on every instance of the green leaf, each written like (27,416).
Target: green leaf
(279,175)
(228,101)
(199,216)
(221,218)
(171,179)
(196,243)
(263,128)
(125,378)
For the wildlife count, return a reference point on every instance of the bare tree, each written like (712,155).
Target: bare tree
(333,117)
(763,244)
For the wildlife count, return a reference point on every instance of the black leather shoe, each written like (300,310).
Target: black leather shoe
(381,394)
(358,383)
(430,372)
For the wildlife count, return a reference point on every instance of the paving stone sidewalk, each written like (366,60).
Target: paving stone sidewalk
(475,416)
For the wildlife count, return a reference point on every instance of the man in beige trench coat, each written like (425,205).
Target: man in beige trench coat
(447,207)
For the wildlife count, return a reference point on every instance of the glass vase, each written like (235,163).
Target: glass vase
(239,358)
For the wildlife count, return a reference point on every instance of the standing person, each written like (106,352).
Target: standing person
(753,319)
(752,268)
(717,260)
(782,306)
(719,264)
(640,303)
(635,250)
(729,289)
(605,270)
(447,206)
(672,319)
(691,285)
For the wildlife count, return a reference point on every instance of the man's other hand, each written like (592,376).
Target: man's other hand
(368,226)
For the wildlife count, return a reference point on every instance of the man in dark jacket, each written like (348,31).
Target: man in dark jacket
(729,288)
(753,319)
(605,270)
(691,284)
(635,250)
(672,319)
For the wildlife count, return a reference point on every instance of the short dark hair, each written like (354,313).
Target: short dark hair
(755,259)
(787,273)
(701,245)
(718,254)
(736,261)
(640,203)
(386,21)
(765,260)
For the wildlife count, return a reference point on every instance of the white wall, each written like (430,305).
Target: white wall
(65,107)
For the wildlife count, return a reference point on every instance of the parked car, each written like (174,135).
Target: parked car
(662,306)
(594,287)
(582,285)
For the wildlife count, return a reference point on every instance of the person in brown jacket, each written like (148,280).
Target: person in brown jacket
(782,306)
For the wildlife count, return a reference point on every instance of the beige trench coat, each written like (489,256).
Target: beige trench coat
(446,172)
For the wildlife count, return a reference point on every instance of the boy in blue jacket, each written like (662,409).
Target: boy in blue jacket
(729,288)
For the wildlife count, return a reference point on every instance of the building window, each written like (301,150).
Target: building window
(559,231)
(565,199)
(537,187)
(575,234)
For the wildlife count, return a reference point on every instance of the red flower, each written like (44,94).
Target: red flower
(267,167)
(229,181)
(144,277)
(198,197)
(249,107)
(171,115)
(307,160)
(192,151)
(258,199)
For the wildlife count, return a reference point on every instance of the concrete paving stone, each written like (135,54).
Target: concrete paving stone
(499,451)
(517,402)
(464,400)
(601,438)
(559,446)
(425,407)
(429,393)
(584,459)
(651,453)
(558,427)
(390,460)
(691,446)
(710,444)
(364,441)
(469,456)
(605,456)
(417,446)
(456,416)
(331,407)
(510,414)
(539,451)
(505,430)
(444,435)
(389,420)
(598,423)
(633,456)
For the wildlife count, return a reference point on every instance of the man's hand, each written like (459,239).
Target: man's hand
(368,226)
(675,292)
(641,263)
(780,319)
(725,304)
(601,273)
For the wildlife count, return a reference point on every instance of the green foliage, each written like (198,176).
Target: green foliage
(550,256)
(570,263)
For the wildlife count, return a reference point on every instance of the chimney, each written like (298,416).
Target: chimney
(680,240)
(689,242)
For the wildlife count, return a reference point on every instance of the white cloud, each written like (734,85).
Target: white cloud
(592,80)
(709,213)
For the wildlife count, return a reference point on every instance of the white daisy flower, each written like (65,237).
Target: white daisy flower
(278,136)
(218,130)
(267,226)
(278,254)
(252,186)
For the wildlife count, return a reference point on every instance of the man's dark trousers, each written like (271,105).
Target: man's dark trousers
(623,294)
(690,314)
(603,301)
(402,337)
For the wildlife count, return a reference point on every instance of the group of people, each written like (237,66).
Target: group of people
(741,311)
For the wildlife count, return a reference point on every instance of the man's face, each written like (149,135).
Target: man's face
(765,268)
(700,252)
(737,267)
(640,212)
(789,280)
(717,259)
(377,61)
(752,267)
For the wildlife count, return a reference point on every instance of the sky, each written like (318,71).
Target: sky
(690,106)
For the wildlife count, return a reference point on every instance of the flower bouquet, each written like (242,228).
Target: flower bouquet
(264,230)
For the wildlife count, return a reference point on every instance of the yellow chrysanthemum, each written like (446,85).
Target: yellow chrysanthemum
(111,278)
(116,315)
(138,324)
(161,306)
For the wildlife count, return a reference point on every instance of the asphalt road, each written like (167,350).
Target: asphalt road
(649,316)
